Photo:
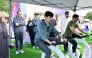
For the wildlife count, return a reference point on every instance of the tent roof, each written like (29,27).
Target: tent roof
(62,4)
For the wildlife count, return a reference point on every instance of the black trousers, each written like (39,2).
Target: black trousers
(31,37)
(18,37)
(43,46)
(72,41)
(32,40)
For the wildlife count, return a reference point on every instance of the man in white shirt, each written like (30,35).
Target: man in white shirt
(24,34)
(63,25)
(64,22)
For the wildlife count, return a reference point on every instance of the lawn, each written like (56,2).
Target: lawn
(36,53)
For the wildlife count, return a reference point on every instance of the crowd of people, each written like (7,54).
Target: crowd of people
(42,32)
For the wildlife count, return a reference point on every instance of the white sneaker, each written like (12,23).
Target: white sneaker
(21,51)
(17,52)
(33,47)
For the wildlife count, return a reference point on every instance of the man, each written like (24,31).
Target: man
(63,24)
(35,22)
(18,23)
(25,27)
(71,33)
(64,21)
(58,23)
(53,22)
(42,34)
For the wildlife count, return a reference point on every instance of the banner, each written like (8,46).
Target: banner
(15,8)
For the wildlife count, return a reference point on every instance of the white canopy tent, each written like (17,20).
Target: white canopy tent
(72,5)
(62,4)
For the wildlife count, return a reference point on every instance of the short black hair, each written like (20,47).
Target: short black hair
(49,13)
(67,12)
(75,16)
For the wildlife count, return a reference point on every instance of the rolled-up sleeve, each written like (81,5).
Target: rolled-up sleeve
(54,30)
(41,32)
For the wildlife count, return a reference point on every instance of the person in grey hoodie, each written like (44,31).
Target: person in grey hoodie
(18,23)
(35,22)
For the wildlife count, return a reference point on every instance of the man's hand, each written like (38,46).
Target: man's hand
(53,42)
(61,36)
(64,39)
(27,33)
(17,24)
(80,36)
(87,34)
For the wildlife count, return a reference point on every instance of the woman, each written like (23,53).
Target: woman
(30,31)
(3,39)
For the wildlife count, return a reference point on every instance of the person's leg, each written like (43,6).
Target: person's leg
(74,43)
(44,48)
(24,34)
(21,40)
(33,40)
(59,42)
(74,36)
(16,41)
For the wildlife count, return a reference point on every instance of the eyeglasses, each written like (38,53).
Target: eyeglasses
(47,28)
(19,14)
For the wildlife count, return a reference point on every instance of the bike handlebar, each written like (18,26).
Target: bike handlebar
(69,40)
(86,36)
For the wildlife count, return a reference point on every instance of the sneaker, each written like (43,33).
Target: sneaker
(21,51)
(24,45)
(17,52)
(33,47)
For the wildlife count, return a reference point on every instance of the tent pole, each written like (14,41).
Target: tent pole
(74,10)
(9,39)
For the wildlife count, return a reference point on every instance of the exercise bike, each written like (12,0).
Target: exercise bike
(61,55)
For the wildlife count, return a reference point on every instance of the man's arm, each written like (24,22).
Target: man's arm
(18,23)
(81,30)
(74,31)
(34,22)
(15,23)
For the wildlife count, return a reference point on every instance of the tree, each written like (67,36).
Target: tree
(88,15)
(4,5)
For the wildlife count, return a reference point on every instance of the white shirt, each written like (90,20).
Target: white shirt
(58,26)
(63,24)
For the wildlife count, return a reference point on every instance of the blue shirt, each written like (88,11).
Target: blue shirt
(35,23)
(43,31)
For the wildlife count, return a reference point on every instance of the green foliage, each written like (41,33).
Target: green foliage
(4,5)
(88,15)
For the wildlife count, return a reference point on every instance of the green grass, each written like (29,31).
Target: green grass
(36,53)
